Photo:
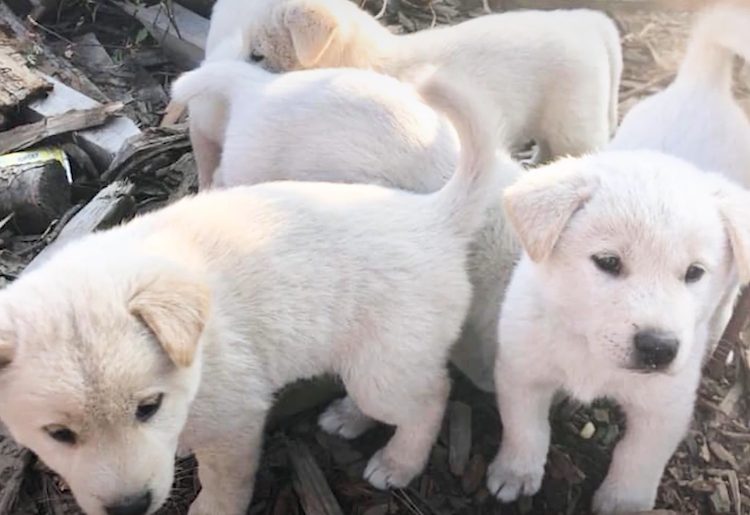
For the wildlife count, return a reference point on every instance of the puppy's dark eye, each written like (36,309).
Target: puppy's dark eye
(61,434)
(694,274)
(256,57)
(608,264)
(148,407)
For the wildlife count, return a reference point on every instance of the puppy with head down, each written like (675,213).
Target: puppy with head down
(632,261)
(548,76)
(177,328)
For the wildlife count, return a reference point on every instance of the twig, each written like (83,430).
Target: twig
(382,10)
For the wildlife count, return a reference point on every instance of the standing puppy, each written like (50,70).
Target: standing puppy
(356,126)
(548,76)
(699,103)
(338,125)
(633,258)
(178,327)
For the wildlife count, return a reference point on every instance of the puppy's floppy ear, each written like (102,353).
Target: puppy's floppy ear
(312,27)
(542,201)
(734,206)
(175,307)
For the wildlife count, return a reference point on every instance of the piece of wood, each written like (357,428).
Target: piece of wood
(18,84)
(44,60)
(36,194)
(102,143)
(309,482)
(731,339)
(109,207)
(181,32)
(154,148)
(13,463)
(25,136)
(459,431)
(202,7)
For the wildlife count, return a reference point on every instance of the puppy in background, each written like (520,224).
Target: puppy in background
(178,327)
(549,76)
(280,127)
(632,261)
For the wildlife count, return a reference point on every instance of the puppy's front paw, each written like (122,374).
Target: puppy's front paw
(612,498)
(343,418)
(384,472)
(508,480)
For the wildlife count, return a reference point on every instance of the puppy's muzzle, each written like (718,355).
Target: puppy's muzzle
(655,350)
(133,505)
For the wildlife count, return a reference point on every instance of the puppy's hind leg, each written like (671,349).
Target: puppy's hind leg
(415,407)
(207,157)
(344,418)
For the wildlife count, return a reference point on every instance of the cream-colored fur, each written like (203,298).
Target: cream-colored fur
(567,324)
(216,302)
(276,127)
(548,76)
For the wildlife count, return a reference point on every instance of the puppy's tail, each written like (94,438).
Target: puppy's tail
(720,33)
(466,196)
(614,51)
(217,79)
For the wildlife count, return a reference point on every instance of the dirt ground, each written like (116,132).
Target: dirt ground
(710,473)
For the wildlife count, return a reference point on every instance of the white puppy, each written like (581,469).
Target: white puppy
(276,127)
(632,261)
(178,327)
(269,127)
(699,103)
(548,76)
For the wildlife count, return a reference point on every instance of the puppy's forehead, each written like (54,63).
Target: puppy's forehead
(654,203)
(80,348)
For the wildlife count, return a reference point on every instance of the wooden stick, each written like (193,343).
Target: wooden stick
(25,136)
(108,208)
(310,484)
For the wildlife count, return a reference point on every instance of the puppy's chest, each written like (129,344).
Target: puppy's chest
(586,381)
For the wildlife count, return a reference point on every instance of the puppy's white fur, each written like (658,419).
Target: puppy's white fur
(566,325)
(220,300)
(275,127)
(549,76)
(699,103)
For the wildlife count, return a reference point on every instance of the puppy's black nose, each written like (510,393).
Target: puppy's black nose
(655,349)
(133,505)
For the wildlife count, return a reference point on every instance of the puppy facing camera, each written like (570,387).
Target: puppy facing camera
(629,258)
(633,259)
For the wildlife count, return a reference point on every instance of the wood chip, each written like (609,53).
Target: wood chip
(25,136)
(109,207)
(459,423)
(310,483)
(723,454)
(719,499)
(102,143)
(13,463)
(471,481)
(18,84)
(181,33)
